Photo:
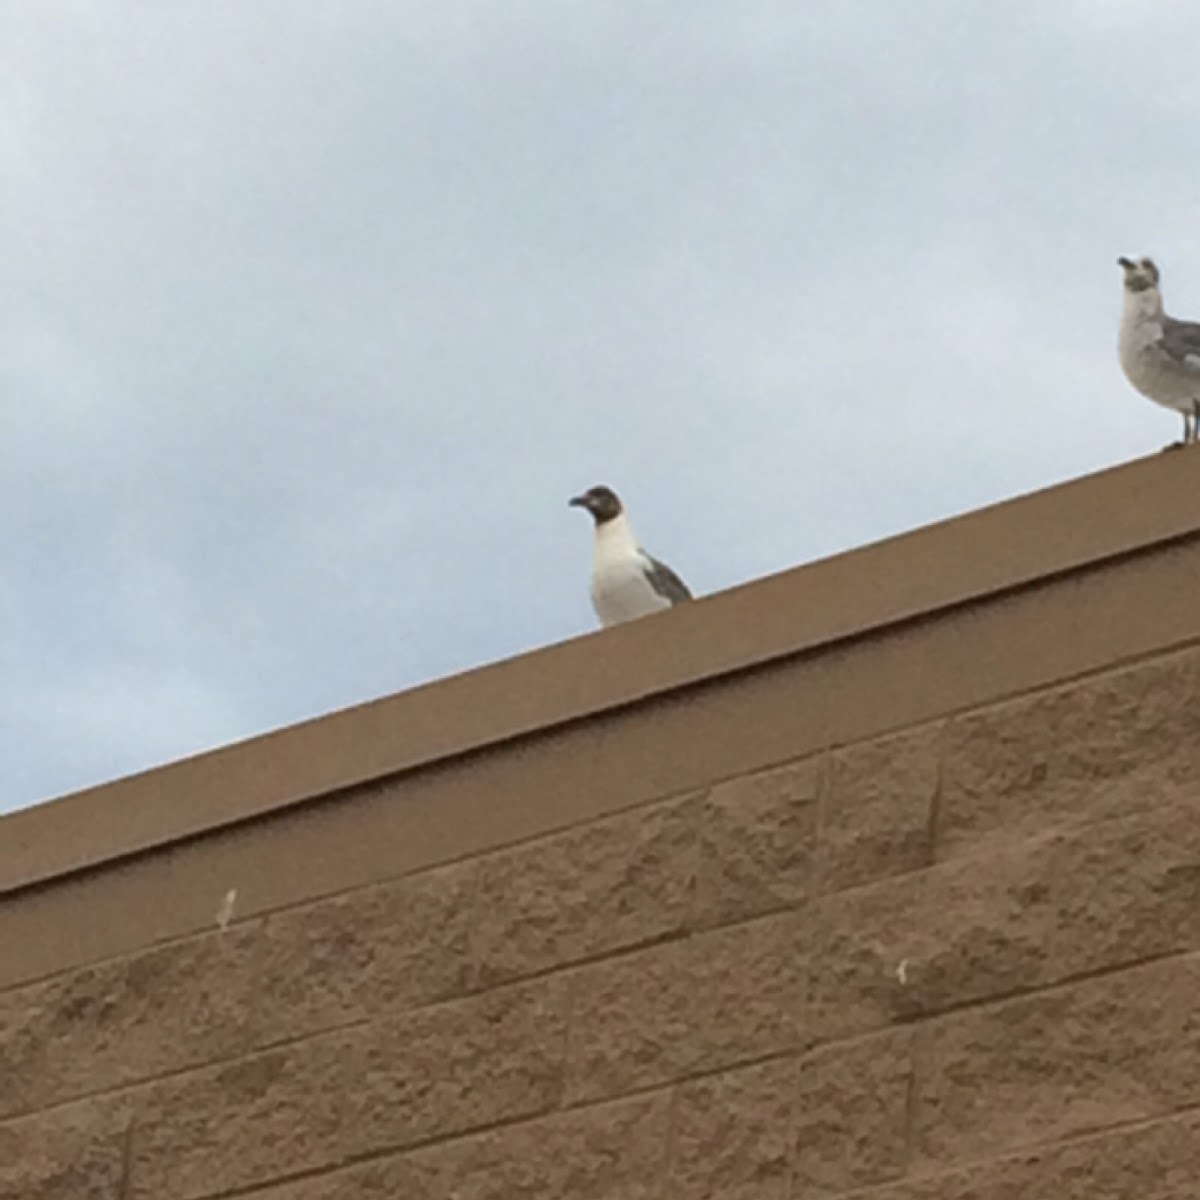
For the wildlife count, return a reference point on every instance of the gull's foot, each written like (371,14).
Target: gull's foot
(1174,446)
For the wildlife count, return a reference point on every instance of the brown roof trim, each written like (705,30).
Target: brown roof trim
(1144,504)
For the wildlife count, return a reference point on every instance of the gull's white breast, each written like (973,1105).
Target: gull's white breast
(1152,370)
(621,591)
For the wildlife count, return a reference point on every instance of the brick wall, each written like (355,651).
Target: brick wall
(960,961)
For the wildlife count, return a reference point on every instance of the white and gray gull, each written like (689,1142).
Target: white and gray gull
(626,581)
(1159,355)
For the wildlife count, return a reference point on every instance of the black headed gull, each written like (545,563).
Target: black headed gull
(626,581)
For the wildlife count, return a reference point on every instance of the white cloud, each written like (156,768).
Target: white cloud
(315,315)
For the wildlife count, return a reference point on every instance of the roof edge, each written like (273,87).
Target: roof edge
(1013,544)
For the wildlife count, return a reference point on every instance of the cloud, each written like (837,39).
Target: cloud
(315,315)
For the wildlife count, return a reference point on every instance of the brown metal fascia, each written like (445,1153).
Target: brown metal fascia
(1126,510)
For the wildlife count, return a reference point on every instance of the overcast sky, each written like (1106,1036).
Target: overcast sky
(313,314)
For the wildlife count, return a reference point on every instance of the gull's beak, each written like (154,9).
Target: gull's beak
(1126,263)
(578,501)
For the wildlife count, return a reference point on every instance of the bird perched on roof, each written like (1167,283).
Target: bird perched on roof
(1159,355)
(626,581)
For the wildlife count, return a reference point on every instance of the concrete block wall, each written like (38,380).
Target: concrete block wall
(958,959)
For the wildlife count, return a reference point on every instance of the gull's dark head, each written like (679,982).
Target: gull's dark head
(1140,273)
(602,502)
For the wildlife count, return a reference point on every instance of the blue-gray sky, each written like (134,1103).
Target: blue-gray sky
(313,315)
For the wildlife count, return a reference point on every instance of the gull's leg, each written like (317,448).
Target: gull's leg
(1195,420)
(1187,432)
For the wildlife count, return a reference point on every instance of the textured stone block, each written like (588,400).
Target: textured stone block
(735,1137)
(609,1152)
(372,951)
(1113,1050)
(1041,912)
(220,995)
(699,1005)
(1119,892)
(918,943)
(757,836)
(73,1153)
(114,1023)
(1104,747)
(852,1114)
(600,887)
(439,1071)
(1147,1162)
(877,810)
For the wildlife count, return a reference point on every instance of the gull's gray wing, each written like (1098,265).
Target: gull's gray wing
(1181,341)
(664,581)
